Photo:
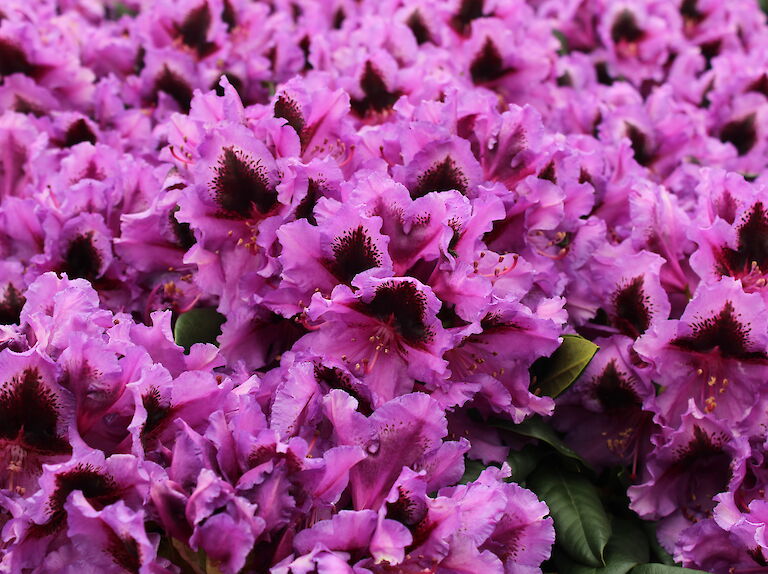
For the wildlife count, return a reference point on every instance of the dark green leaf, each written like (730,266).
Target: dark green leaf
(536,427)
(663,569)
(763,5)
(552,375)
(523,462)
(581,525)
(564,48)
(626,548)
(472,469)
(659,554)
(119,10)
(201,325)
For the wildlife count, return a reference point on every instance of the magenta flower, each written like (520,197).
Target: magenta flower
(714,355)
(386,333)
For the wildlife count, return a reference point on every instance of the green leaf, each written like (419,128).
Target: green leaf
(472,469)
(763,5)
(581,525)
(626,548)
(663,569)
(552,375)
(202,325)
(659,554)
(524,462)
(564,48)
(536,427)
(119,10)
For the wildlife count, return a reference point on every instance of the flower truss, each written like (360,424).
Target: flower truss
(277,275)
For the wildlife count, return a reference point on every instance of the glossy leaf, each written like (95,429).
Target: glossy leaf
(626,549)
(201,325)
(538,428)
(662,569)
(552,375)
(581,525)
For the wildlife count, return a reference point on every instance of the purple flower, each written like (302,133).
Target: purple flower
(386,333)
(714,355)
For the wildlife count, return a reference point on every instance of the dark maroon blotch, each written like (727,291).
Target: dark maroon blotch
(549,173)
(625,28)
(723,332)
(228,15)
(402,304)
(13,60)
(487,64)
(29,413)
(640,145)
(445,175)
(193,30)
(11,305)
(175,86)
(181,231)
(632,315)
(158,413)
(613,391)
(78,131)
(378,97)
(125,552)
(288,109)
(353,253)
(469,10)
(306,207)
(419,28)
(742,133)
(82,260)
(752,247)
(241,185)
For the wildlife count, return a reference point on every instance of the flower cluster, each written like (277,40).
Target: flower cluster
(396,208)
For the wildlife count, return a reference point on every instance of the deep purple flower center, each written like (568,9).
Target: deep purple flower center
(613,391)
(442,176)
(549,173)
(158,413)
(407,509)
(175,86)
(709,466)
(79,131)
(403,306)
(377,97)
(98,488)
(418,27)
(723,332)
(13,60)
(487,64)
(742,133)
(125,552)
(82,260)
(760,85)
(640,145)
(335,378)
(469,10)
(752,247)
(631,307)
(288,109)
(193,30)
(353,253)
(625,28)
(11,305)
(29,415)
(181,230)
(306,207)
(241,185)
